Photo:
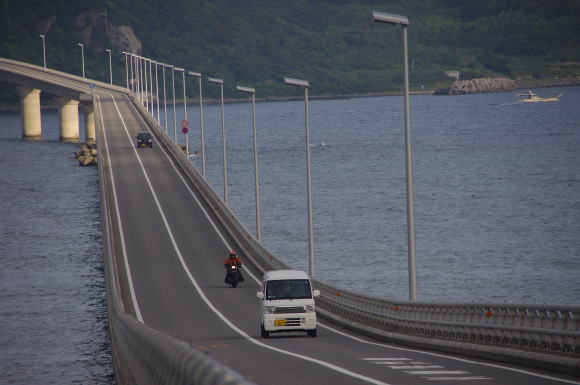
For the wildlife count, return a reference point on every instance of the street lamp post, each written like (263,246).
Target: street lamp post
(110,67)
(82,57)
(304,84)
(174,114)
(404,22)
(157,92)
(186,129)
(253,92)
(138,76)
(43,51)
(126,68)
(137,84)
(141,82)
(198,76)
(147,86)
(132,78)
(136,80)
(151,90)
(151,86)
(221,83)
(164,98)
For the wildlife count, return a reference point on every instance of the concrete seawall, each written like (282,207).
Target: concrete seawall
(478,86)
(487,85)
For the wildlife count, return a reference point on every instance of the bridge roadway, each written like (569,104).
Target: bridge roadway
(174,250)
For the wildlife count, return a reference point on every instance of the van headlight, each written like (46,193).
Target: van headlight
(309,308)
(269,309)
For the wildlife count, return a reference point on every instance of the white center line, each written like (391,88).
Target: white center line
(456,378)
(386,359)
(430,372)
(118,215)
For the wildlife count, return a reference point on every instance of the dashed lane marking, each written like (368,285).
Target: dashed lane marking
(478,378)
(386,359)
(486,364)
(439,372)
(420,368)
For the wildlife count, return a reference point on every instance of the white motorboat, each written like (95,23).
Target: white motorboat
(531,97)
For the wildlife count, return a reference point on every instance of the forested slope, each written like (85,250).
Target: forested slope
(332,43)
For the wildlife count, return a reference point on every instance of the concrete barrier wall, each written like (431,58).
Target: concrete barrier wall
(541,336)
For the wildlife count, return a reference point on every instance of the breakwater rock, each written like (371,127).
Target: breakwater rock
(87,156)
(478,86)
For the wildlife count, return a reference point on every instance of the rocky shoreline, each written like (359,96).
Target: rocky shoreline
(488,85)
(459,87)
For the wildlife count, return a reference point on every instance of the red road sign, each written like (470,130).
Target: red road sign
(184,123)
(184,130)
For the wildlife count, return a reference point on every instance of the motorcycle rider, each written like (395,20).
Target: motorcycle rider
(233,260)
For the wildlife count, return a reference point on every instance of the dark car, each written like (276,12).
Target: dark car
(144,139)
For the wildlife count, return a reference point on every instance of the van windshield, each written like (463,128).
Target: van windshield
(288,289)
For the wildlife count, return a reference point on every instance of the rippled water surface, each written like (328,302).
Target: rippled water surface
(497,192)
(53,325)
(497,212)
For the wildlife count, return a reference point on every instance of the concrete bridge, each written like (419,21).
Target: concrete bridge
(69,96)
(173,321)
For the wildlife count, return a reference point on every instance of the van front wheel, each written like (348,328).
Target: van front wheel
(265,334)
(311,333)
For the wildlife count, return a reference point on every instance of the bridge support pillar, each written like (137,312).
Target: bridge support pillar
(30,111)
(90,131)
(68,116)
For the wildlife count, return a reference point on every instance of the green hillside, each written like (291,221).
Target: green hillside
(332,43)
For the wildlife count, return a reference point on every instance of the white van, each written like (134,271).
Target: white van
(287,303)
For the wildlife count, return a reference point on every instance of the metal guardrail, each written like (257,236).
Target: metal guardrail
(563,320)
(541,328)
(540,335)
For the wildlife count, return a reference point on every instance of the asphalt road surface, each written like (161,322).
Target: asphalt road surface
(175,251)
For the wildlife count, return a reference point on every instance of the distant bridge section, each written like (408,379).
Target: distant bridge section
(69,91)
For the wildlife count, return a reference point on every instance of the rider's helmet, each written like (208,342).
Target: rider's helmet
(233,254)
